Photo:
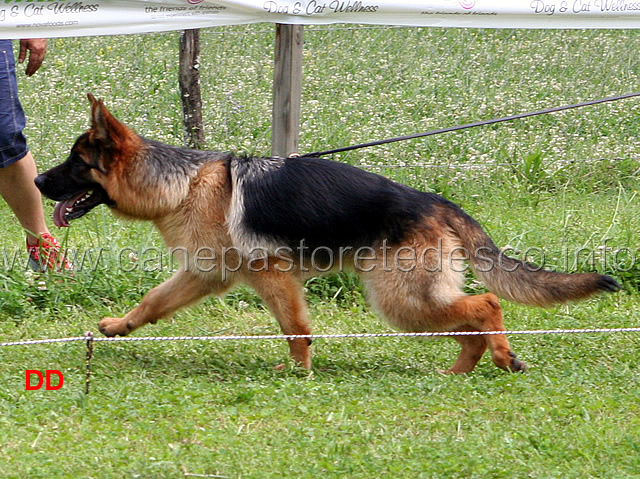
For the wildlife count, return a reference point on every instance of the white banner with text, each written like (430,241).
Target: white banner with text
(66,18)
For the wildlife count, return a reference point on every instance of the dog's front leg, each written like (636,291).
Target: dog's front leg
(182,289)
(283,294)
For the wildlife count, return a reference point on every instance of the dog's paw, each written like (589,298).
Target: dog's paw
(516,365)
(111,327)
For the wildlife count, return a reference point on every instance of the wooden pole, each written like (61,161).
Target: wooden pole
(189,78)
(287,89)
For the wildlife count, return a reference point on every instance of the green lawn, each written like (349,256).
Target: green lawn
(562,188)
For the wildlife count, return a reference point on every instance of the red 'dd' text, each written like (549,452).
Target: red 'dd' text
(44,379)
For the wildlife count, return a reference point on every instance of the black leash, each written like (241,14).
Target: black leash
(470,125)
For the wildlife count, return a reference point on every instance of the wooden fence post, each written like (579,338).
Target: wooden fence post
(287,89)
(189,79)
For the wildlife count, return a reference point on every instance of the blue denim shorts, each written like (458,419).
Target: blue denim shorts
(13,144)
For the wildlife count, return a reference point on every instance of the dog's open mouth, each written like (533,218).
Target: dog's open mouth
(77,206)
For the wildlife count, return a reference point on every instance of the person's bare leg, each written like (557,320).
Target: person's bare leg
(20,192)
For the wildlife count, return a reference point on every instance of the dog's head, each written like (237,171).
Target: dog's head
(81,182)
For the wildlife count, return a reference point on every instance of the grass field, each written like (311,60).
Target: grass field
(561,189)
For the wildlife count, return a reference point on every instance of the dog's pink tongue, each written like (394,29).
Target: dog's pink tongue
(61,210)
(58,213)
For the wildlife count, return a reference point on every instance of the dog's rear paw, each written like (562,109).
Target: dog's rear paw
(111,327)
(516,365)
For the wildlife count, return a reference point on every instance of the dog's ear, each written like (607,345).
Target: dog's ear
(104,127)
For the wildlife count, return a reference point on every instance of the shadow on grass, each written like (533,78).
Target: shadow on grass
(232,363)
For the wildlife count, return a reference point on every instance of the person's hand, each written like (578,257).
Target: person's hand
(37,48)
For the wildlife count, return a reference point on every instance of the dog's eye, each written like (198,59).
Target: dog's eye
(79,167)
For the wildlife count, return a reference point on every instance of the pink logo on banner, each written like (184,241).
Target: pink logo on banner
(467,4)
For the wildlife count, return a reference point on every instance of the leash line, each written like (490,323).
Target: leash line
(470,125)
(90,339)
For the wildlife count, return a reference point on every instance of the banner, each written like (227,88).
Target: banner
(64,18)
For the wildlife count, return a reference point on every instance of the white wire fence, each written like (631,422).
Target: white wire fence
(90,339)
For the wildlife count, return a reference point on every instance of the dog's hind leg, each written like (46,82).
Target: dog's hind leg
(422,300)
(182,289)
(283,294)
(480,313)
(473,347)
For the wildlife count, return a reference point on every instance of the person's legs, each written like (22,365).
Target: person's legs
(18,170)
(17,166)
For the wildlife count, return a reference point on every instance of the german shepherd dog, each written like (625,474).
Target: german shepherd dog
(271,222)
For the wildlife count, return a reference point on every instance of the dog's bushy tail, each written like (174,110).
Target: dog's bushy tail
(520,281)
